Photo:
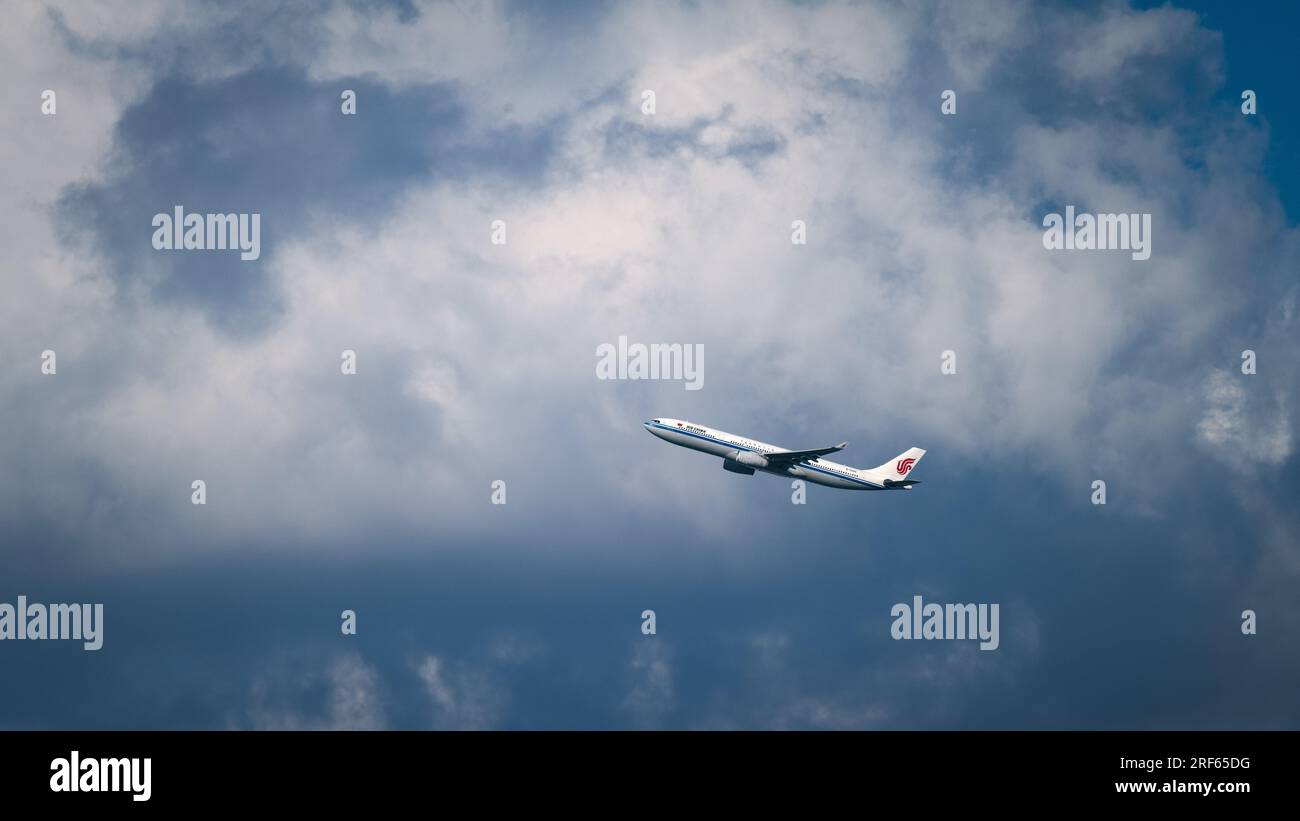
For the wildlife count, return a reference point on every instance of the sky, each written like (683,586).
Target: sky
(476,363)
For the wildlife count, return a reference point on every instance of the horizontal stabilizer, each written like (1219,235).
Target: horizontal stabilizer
(904,484)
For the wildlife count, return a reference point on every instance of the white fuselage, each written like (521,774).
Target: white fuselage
(743,450)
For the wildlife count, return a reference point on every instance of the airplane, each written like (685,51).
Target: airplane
(743,455)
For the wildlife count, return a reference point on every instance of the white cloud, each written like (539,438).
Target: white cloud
(462,698)
(352,698)
(1234,429)
(1105,45)
(650,697)
(975,35)
(527,69)
(476,361)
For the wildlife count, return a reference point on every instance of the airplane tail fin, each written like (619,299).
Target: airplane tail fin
(896,470)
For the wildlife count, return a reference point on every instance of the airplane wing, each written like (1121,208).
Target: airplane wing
(794,457)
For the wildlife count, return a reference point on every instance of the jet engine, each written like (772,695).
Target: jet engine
(736,467)
(752,460)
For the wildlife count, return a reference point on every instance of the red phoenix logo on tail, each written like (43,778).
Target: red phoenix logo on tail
(904,465)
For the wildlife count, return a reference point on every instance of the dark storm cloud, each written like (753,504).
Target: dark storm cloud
(1101,627)
(270,141)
